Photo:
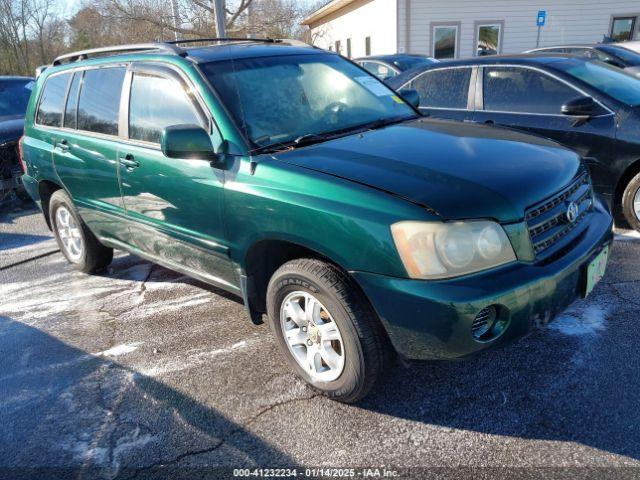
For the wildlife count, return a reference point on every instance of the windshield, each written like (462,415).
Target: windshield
(407,63)
(610,80)
(14,96)
(280,99)
(631,58)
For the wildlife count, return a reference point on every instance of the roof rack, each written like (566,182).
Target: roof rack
(289,41)
(168,47)
(222,39)
(139,47)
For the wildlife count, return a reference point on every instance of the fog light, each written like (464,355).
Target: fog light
(484,322)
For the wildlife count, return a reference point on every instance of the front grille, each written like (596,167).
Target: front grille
(9,163)
(549,228)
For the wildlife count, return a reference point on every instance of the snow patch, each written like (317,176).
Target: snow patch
(120,350)
(627,236)
(194,360)
(581,319)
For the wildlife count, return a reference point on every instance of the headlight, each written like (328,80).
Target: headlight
(431,250)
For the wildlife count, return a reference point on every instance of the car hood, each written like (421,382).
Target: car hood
(11,128)
(459,170)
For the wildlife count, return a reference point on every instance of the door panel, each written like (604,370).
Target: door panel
(86,160)
(175,204)
(531,100)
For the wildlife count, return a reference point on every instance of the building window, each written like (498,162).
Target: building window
(445,41)
(488,38)
(367,46)
(622,28)
(338,47)
(348,47)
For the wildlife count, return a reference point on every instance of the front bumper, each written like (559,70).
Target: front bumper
(432,319)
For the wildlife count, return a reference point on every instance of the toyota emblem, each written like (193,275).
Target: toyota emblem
(572,212)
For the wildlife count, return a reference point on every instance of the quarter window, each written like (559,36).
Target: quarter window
(523,90)
(445,40)
(148,116)
(52,101)
(488,39)
(99,104)
(443,88)
(622,28)
(71,109)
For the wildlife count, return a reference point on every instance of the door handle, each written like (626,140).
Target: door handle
(63,145)
(129,162)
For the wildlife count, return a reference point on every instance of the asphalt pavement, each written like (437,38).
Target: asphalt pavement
(141,372)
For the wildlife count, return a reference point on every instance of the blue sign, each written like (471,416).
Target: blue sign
(542,17)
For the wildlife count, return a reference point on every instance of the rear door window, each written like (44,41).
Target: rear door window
(148,116)
(523,90)
(443,88)
(99,103)
(51,105)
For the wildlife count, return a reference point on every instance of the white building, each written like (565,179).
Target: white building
(460,28)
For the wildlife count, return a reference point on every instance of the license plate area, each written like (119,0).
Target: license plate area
(595,270)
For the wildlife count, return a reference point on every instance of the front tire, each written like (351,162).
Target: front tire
(326,330)
(631,203)
(76,242)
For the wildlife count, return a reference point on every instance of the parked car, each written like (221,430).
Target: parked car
(388,66)
(14,96)
(625,55)
(588,106)
(289,177)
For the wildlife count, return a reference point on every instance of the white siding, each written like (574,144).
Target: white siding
(364,18)
(568,21)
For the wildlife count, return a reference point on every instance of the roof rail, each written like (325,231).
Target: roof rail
(290,41)
(140,47)
(221,39)
(168,46)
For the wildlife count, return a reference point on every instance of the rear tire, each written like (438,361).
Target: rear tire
(341,330)
(631,203)
(77,243)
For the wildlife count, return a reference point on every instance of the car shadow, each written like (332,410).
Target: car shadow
(541,388)
(10,240)
(67,413)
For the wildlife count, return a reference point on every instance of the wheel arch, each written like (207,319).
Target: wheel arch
(46,189)
(265,256)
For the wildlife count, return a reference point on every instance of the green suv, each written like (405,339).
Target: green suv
(296,180)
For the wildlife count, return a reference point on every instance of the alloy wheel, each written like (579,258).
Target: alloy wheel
(69,233)
(312,336)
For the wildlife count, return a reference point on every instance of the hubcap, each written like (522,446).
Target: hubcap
(312,336)
(636,204)
(69,233)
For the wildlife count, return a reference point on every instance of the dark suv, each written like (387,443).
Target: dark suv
(296,180)
(14,96)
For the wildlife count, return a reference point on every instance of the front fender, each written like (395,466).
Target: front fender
(346,222)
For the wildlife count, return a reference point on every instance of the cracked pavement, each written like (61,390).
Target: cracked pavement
(141,372)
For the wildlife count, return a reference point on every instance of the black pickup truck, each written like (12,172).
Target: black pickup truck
(14,96)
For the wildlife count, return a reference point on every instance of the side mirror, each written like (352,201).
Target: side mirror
(580,107)
(187,141)
(411,96)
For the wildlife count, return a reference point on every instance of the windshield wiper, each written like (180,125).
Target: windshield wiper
(302,140)
(312,138)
